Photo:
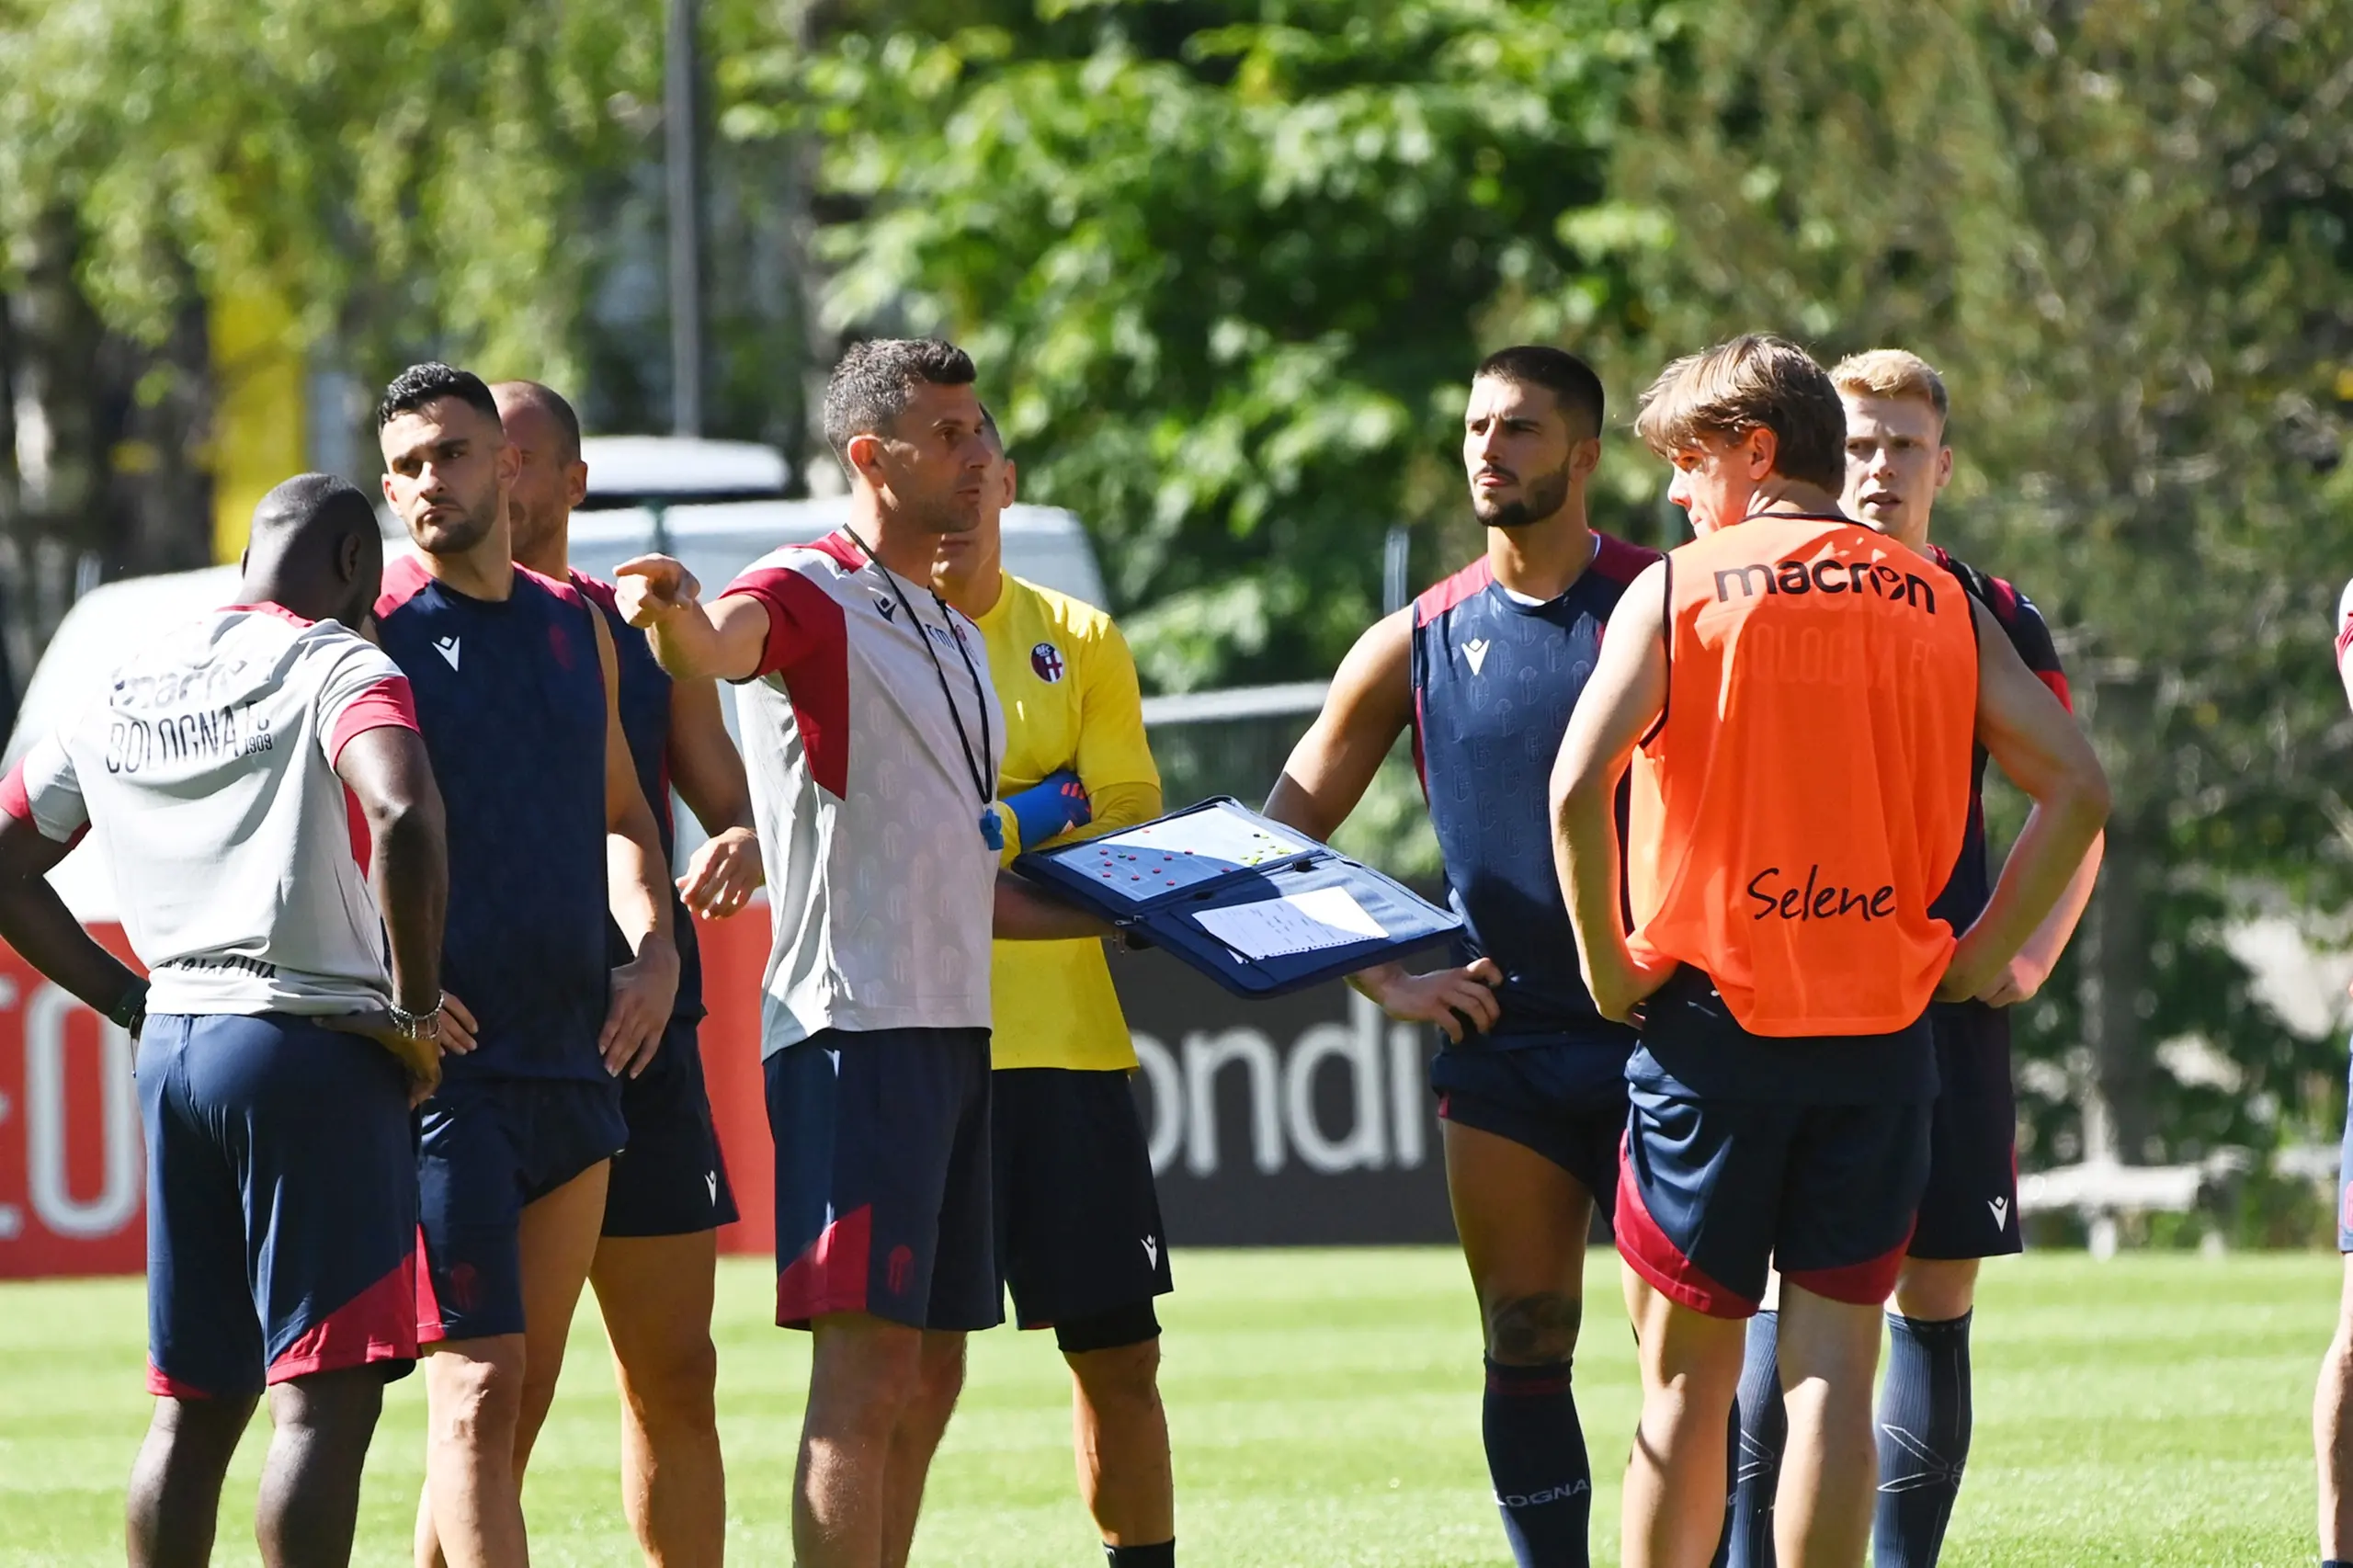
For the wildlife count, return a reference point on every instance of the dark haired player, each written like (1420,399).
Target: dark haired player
(668,1193)
(272,917)
(517,691)
(1485,668)
(872,738)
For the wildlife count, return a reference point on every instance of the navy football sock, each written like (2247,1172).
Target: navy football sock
(1757,1456)
(1536,1457)
(2334,1562)
(1161,1556)
(1924,1421)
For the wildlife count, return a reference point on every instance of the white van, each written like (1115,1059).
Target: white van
(656,494)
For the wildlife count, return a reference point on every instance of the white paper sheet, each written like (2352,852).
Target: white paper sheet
(1177,852)
(1296,923)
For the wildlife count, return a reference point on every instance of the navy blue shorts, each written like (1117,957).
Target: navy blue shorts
(670,1180)
(1078,1229)
(488,1148)
(281,1204)
(1565,1099)
(882,1178)
(1744,1152)
(1970,1206)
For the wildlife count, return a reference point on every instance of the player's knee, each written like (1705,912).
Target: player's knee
(676,1388)
(1124,1377)
(939,1371)
(475,1403)
(1936,1290)
(1531,1329)
(197,1431)
(335,1405)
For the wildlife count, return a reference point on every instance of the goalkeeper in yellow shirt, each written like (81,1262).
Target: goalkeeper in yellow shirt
(1078,1235)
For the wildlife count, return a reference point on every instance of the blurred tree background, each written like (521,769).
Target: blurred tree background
(1225,265)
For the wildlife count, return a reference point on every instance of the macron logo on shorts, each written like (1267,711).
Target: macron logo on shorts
(1152,1249)
(2001,1208)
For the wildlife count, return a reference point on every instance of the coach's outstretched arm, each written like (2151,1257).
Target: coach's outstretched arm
(1371,704)
(1622,700)
(691,639)
(2034,739)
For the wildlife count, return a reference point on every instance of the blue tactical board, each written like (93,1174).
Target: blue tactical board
(1258,907)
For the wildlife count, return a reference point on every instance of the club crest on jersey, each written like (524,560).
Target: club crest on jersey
(1476,652)
(1046,662)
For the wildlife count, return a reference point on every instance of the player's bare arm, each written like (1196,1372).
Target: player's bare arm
(389,772)
(36,923)
(1620,703)
(2022,978)
(691,639)
(1026,913)
(709,774)
(637,878)
(2034,740)
(1371,704)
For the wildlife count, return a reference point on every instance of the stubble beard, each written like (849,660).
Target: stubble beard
(1539,498)
(471,528)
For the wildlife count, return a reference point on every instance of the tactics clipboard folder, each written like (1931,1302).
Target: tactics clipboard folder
(1258,907)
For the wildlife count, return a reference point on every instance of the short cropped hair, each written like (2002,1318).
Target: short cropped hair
(1892,372)
(1755,379)
(551,403)
(1569,378)
(429,383)
(876,380)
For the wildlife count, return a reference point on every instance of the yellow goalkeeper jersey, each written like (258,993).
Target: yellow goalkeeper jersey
(1068,687)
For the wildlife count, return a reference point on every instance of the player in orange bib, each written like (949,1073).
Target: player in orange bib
(1799,696)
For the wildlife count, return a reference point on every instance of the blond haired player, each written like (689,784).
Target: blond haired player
(1897,462)
(1078,1235)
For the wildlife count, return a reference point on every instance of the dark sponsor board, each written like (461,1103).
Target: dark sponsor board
(1303,1119)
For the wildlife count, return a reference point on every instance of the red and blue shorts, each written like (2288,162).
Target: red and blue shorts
(281,1204)
(1744,1152)
(883,1177)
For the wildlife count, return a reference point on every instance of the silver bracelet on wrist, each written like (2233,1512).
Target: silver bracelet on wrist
(418,1026)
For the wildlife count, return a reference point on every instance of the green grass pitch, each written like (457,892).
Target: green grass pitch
(2153,1410)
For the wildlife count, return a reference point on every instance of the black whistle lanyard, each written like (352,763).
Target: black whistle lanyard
(981,786)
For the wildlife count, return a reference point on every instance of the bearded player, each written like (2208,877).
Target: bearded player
(516,690)
(1485,670)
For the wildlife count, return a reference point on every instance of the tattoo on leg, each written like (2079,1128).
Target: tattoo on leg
(1527,1329)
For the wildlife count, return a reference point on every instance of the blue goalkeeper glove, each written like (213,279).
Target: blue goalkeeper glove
(1050,808)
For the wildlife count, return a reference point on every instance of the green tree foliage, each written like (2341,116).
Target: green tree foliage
(1226,266)
(399,175)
